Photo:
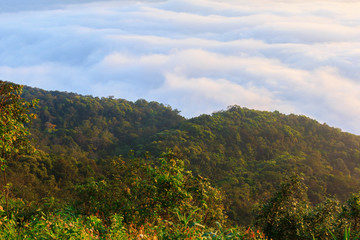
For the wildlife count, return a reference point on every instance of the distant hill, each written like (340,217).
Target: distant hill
(100,126)
(244,152)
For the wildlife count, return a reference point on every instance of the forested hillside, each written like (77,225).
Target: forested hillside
(78,135)
(246,153)
(105,168)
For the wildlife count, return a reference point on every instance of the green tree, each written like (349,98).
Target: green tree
(323,220)
(153,190)
(282,216)
(351,211)
(14,113)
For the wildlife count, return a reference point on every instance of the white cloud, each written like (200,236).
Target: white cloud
(181,91)
(196,55)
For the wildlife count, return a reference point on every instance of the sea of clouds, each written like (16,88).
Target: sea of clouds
(198,56)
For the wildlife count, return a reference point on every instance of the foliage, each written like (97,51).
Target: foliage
(67,225)
(282,216)
(347,235)
(146,191)
(14,113)
(63,224)
(351,211)
(323,219)
(289,215)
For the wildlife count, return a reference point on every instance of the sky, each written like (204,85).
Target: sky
(198,56)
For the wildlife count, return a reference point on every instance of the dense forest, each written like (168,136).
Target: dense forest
(143,163)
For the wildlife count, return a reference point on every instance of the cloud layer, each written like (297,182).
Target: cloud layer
(196,55)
